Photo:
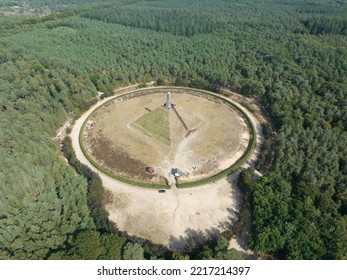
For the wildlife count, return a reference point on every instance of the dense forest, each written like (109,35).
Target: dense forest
(291,56)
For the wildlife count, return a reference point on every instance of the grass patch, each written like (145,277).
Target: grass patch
(156,124)
(111,174)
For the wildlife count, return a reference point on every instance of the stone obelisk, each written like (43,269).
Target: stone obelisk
(168,103)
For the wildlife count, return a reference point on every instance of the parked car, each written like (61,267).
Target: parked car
(161,191)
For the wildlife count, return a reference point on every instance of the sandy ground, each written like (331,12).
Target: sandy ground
(168,218)
(61,132)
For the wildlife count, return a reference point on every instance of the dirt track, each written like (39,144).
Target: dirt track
(167,218)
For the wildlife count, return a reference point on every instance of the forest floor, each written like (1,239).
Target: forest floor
(178,215)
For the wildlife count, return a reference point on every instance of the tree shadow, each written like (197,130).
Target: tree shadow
(237,194)
(241,225)
(193,240)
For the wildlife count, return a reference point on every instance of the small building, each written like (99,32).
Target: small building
(176,172)
(150,169)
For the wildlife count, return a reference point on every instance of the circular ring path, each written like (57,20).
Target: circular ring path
(168,218)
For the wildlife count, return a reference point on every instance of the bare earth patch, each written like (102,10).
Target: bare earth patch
(166,218)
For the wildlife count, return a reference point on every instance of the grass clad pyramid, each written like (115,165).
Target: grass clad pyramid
(156,124)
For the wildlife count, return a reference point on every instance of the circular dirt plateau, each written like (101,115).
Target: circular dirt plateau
(201,135)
